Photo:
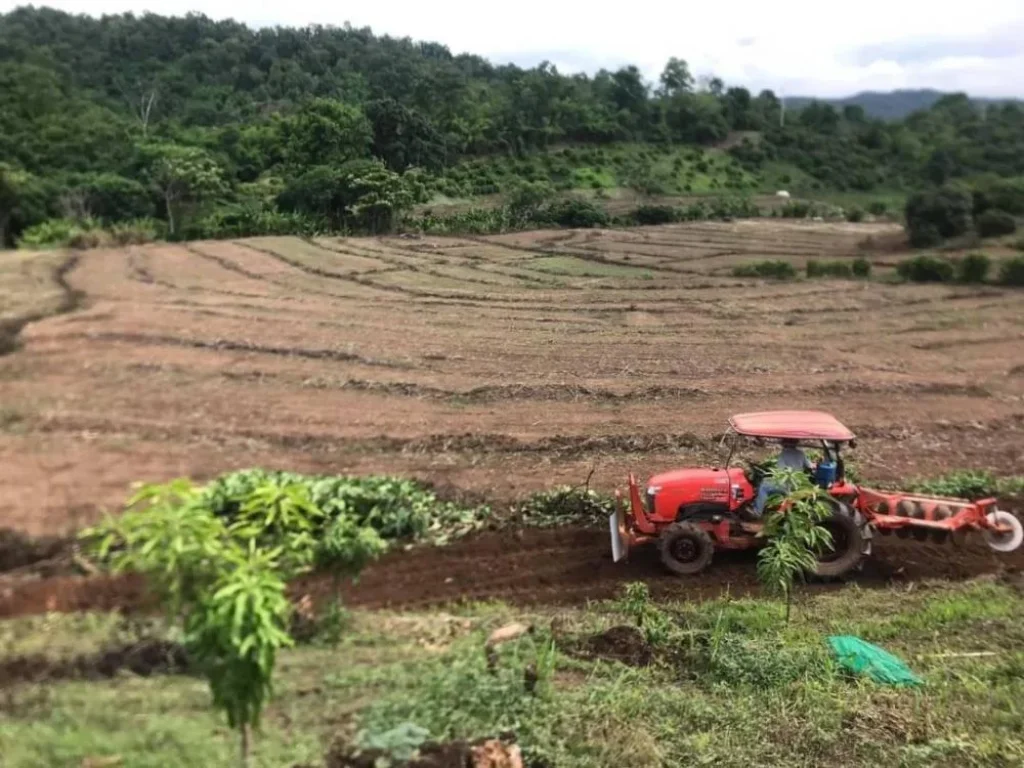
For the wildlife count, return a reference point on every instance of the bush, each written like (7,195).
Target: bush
(1012,272)
(861,267)
(138,232)
(655,214)
(777,270)
(946,210)
(993,223)
(64,233)
(573,212)
(878,207)
(855,215)
(973,268)
(796,209)
(925,269)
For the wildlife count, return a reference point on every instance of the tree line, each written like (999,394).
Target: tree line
(173,120)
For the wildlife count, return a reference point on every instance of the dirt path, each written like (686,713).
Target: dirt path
(530,567)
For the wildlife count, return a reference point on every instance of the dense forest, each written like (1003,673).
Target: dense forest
(200,127)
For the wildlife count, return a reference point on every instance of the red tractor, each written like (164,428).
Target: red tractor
(692,512)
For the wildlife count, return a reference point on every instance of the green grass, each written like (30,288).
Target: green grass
(572,266)
(732,686)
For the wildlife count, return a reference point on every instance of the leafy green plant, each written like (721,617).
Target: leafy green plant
(994,223)
(564,505)
(234,632)
(968,484)
(861,267)
(777,270)
(792,530)
(926,269)
(636,603)
(399,744)
(646,215)
(220,557)
(1011,272)
(973,268)
(229,594)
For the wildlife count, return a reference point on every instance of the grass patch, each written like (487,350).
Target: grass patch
(574,267)
(729,684)
(776,270)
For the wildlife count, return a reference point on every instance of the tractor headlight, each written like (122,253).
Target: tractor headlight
(653,489)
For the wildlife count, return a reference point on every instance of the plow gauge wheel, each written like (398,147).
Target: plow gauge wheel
(1006,541)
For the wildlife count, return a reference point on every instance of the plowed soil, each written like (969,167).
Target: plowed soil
(533,567)
(498,365)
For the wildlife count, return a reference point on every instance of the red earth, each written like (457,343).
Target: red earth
(497,365)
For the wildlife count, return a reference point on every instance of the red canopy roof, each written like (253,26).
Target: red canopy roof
(795,425)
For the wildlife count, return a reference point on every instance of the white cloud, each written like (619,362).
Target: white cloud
(794,46)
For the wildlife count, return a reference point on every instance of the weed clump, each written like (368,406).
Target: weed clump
(565,505)
(776,270)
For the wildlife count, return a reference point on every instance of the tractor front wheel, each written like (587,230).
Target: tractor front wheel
(848,544)
(686,548)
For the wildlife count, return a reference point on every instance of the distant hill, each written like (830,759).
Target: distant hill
(888,105)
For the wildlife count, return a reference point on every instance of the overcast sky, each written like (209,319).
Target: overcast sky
(796,47)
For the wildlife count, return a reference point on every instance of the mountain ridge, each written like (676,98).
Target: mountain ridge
(892,105)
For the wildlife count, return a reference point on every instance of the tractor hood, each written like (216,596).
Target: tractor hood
(668,492)
(698,477)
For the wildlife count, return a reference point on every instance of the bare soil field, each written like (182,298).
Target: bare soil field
(497,365)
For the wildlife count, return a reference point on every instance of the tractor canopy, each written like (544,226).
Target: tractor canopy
(791,425)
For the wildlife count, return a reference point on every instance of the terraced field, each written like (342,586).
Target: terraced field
(494,364)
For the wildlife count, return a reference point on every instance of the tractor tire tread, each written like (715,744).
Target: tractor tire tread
(702,539)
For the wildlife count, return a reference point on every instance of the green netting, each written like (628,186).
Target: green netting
(863,658)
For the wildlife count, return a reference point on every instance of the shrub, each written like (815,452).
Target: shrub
(925,269)
(993,223)
(573,212)
(973,268)
(855,214)
(64,233)
(925,235)
(795,209)
(138,231)
(655,214)
(861,267)
(878,207)
(777,270)
(948,210)
(1012,272)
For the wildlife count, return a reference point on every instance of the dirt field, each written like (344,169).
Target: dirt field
(498,365)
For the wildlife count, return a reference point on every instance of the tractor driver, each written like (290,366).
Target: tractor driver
(790,458)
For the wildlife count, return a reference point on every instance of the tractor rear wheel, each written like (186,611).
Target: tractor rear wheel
(686,548)
(849,544)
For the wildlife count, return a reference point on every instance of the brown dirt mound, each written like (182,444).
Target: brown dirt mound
(19,550)
(145,658)
(622,643)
